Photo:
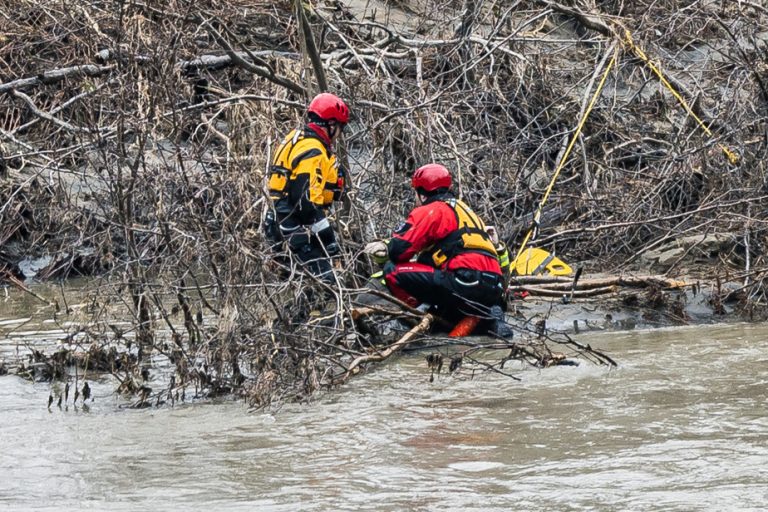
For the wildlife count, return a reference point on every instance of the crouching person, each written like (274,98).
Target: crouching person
(443,258)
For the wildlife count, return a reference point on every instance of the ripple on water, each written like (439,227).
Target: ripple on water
(679,426)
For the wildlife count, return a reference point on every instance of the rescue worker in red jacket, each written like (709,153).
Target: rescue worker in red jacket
(305,179)
(456,268)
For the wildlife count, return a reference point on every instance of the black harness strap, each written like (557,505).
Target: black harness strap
(452,244)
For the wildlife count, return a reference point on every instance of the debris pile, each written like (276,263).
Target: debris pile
(134,138)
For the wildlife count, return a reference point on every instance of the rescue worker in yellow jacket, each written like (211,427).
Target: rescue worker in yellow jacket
(305,178)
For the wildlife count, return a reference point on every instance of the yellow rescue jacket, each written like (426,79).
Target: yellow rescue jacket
(470,236)
(302,153)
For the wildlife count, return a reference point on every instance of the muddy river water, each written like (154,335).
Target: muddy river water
(681,425)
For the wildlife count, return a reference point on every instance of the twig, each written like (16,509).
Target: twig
(263,72)
(17,283)
(56,75)
(309,45)
(48,117)
(353,367)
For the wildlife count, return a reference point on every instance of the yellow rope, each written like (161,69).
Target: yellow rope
(628,42)
(732,157)
(564,159)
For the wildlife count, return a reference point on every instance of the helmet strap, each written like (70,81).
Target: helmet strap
(437,192)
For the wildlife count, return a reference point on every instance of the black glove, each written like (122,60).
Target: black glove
(333,249)
(300,242)
(271,229)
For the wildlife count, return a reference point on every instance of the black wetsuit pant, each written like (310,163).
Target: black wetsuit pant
(307,248)
(455,293)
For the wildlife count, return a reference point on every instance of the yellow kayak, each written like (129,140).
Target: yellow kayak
(538,262)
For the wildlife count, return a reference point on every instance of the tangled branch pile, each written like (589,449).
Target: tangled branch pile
(134,138)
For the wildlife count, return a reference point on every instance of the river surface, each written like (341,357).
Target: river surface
(681,425)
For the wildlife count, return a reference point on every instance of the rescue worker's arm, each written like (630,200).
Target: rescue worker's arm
(378,251)
(425,226)
(502,253)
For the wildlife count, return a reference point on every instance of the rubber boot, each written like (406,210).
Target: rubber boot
(499,326)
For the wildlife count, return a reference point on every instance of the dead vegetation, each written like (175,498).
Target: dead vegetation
(134,138)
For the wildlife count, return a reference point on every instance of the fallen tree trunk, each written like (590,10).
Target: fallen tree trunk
(56,75)
(545,292)
(566,283)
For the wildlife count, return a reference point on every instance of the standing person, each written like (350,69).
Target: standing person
(457,269)
(305,179)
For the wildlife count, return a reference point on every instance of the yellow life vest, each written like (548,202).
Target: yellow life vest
(470,236)
(303,154)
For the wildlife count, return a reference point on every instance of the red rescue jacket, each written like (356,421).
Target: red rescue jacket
(426,228)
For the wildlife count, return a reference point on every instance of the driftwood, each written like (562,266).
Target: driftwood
(472,355)
(552,286)
(18,284)
(404,310)
(576,294)
(354,366)
(56,75)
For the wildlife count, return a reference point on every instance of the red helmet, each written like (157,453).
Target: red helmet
(431,177)
(329,107)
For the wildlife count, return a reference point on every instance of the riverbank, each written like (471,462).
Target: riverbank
(638,308)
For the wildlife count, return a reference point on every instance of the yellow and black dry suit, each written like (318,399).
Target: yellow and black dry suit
(304,180)
(305,174)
